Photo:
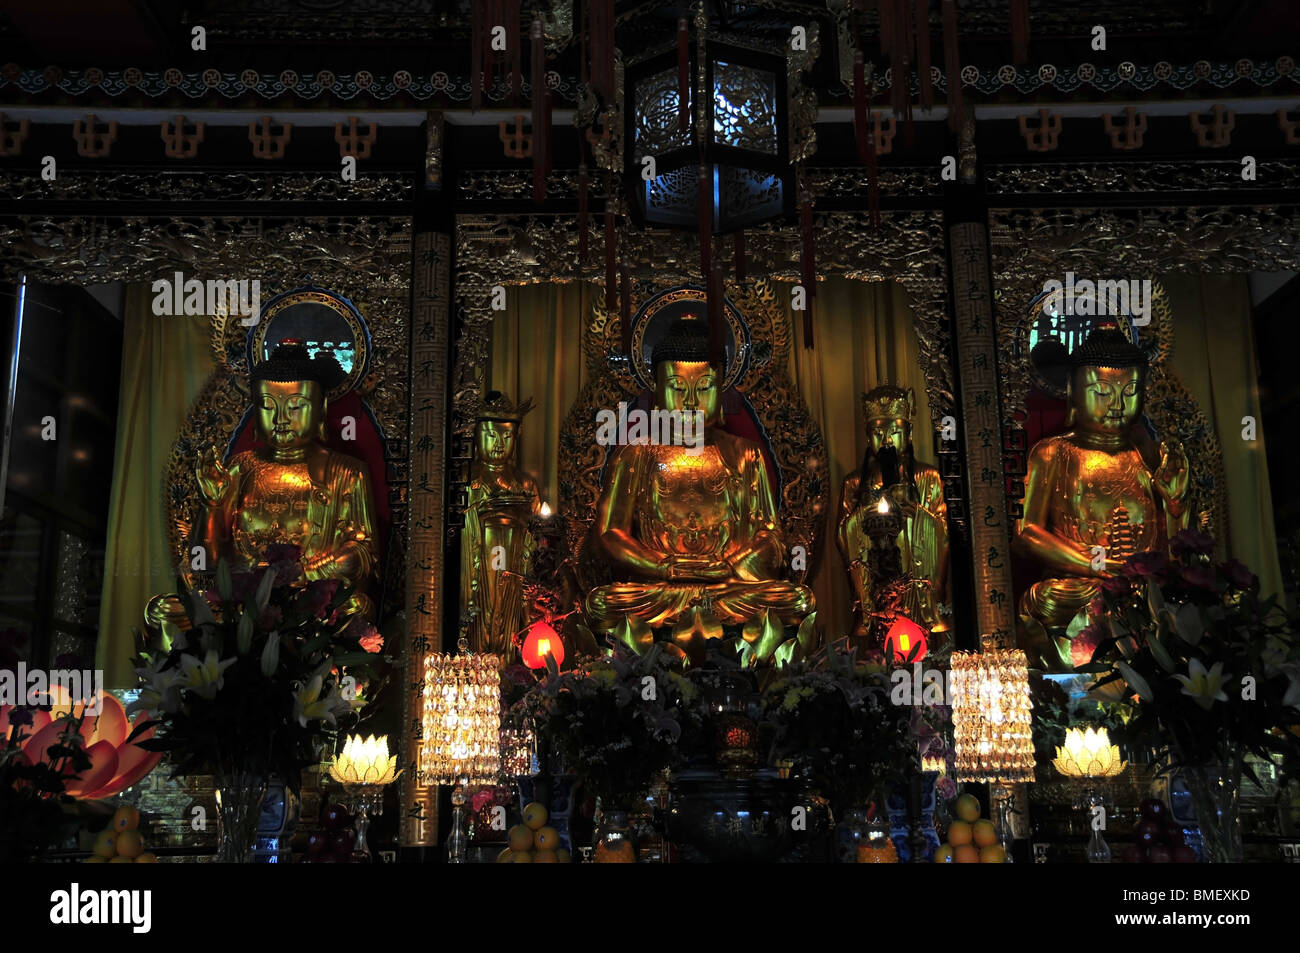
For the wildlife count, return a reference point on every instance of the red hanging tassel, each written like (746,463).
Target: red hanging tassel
(952,63)
(540,144)
(683,75)
(921,23)
(705,222)
(516,51)
(861,132)
(476,58)
(717,325)
(582,213)
(625,309)
(808,261)
(1020,32)
(740,255)
(611,289)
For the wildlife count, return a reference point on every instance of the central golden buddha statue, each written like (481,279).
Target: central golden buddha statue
(1096,494)
(691,531)
(292,489)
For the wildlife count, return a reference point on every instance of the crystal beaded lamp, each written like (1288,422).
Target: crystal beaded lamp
(991,716)
(462,725)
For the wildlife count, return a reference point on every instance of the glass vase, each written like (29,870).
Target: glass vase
(1215,794)
(615,839)
(239,808)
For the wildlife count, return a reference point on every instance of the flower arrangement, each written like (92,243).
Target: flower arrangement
(34,792)
(616,720)
(837,723)
(1215,670)
(256,680)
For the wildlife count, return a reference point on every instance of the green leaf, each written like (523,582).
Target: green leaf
(1160,653)
(1155,599)
(225,583)
(1136,681)
(244,638)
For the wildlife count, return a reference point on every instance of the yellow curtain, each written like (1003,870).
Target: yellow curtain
(537,353)
(165,362)
(1214,356)
(863,334)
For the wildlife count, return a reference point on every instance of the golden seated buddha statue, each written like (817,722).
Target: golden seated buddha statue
(292,489)
(1096,494)
(690,528)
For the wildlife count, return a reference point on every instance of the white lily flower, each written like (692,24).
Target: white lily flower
(204,678)
(308,706)
(1204,687)
(160,691)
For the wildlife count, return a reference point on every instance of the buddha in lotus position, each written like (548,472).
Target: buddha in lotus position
(891,472)
(1096,494)
(691,531)
(291,489)
(496,545)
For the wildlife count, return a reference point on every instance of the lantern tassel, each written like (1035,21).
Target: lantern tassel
(516,51)
(922,24)
(541,146)
(808,261)
(717,332)
(952,63)
(1020,32)
(860,130)
(582,212)
(683,75)
(705,223)
(873,173)
(904,21)
(476,59)
(625,309)
(611,289)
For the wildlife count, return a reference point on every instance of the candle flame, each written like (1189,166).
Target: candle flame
(883,505)
(546,510)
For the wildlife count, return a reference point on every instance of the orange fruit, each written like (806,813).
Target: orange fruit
(993,854)
(959,833)
(548,838)
(944,854)
(967,854)
(546,857)
(122,860)
(147,858)
(125,818)
(535,815)
(521,838)
(130,844)
(984,833)
(505,857)
(105,844)
(521,857)
(967,807)
(623,853)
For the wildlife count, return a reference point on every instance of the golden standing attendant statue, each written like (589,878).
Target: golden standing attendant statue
(497,545)
(1096,494)
(916,491)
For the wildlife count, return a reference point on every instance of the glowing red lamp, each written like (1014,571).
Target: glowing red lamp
(904,637)
(542,641)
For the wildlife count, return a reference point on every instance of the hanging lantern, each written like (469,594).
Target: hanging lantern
(461,719)
(734,151)
(905,637)
(542,641)
(991,716)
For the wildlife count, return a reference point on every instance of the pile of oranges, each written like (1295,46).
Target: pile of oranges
(120,842)
(971,839)
(533,842)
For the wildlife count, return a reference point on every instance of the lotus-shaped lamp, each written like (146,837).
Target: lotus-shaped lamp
(1088,754)
(364,762)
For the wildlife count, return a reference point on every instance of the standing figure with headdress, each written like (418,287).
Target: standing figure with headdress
(497,546)
(892,481)
(290,490)
(1096,494)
